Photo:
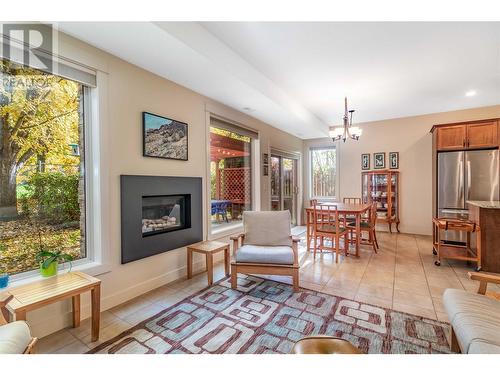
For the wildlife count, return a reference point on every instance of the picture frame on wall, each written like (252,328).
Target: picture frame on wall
(365,162)
(164,138)
(265,170)
(265,159)
(379,160)
(393,160)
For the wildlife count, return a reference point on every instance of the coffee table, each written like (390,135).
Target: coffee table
(209,248)
(57,288)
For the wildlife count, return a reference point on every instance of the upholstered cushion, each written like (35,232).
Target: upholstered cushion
(474,317)
(479,347)
(362,224)
(14,337)
(329,228)
(264,254)
(267,228)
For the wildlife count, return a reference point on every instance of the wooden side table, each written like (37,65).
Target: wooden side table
(57,288)
(209,248)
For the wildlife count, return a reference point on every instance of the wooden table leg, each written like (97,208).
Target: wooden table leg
(189,263)
(358,233)
(76,310)
(210,269)
(96,311)
(21,315)
(226,260)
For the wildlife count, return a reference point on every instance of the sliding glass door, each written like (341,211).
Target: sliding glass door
(284,187)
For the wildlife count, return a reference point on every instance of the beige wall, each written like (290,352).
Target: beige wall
(411,138)
(126,91)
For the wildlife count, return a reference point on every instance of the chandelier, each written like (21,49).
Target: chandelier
(338,133)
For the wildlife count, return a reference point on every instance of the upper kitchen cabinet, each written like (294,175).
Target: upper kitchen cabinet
(464,136)
(482,135)
(451,137)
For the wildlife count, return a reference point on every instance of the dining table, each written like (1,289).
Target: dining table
(344,209)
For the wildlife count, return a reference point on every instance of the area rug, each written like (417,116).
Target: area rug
(265,316)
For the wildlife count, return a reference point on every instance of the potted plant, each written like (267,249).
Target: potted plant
(49,261)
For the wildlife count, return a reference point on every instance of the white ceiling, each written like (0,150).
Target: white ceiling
(294,75)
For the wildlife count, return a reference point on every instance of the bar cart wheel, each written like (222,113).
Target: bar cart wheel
(478,269)
(437,263)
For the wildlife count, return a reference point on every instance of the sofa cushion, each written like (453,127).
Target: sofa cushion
(474,317)
(14,337)
(267,228)
(479,347)
(264,254)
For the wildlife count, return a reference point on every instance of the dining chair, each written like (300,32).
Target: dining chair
(328,225)
(366,225)
(351,218)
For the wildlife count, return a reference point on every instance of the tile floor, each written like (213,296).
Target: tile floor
(402,276)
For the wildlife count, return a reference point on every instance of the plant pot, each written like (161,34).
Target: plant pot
(51,270)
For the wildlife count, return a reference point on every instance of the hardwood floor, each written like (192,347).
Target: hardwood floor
(402,276)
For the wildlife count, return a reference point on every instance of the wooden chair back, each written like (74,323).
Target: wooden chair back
(326,218)
(352,200)
(373,214)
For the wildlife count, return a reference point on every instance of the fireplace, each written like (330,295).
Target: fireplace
(165,213)
(159,214)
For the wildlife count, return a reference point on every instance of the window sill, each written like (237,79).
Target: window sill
(224,232)
(91,268)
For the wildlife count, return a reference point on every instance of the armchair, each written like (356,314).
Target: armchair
(267,247)
(15,337)
(474,318)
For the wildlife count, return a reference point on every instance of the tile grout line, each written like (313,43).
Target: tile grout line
(426,279)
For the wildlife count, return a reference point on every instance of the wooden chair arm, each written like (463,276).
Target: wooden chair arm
(4,315)
(484,279)
(236,241)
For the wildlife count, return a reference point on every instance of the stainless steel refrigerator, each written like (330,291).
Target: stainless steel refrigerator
(465,176)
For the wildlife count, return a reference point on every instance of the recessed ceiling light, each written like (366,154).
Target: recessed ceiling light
(471,93)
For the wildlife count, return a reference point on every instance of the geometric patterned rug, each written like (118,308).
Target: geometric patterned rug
(265,316)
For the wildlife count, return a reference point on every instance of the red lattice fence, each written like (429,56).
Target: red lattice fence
(235,184)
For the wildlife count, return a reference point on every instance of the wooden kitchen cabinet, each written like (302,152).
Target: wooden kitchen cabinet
(482,135)
(451,137)
(465,136)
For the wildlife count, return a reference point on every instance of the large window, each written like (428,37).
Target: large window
(42,182)
(231,174)
(323,172)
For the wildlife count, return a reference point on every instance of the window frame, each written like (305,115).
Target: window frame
(310,177)
(97,260)
(211,234)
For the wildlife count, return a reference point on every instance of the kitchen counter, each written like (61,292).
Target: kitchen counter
(485,204)
(487,215)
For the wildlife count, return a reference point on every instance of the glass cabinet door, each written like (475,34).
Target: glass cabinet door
(394,196)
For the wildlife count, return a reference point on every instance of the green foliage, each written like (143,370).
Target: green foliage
(52,196)
(46,258)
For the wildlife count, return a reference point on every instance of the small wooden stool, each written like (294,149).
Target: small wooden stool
(324,345)
(209,248)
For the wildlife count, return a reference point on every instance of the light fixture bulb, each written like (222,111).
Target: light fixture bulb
(471,93)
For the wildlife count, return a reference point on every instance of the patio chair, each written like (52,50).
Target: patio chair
(267,247)
(15,337)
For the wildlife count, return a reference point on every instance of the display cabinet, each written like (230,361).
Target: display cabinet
(382,187)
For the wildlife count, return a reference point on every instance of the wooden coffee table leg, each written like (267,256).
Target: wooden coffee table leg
(226,260)
(189,263)
(76,310)
(96,311)
(210,269)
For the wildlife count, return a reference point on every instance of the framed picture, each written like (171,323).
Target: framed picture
(365,162)
(393,160)
(265,159)
(164,138)
(379,160)
(265,171)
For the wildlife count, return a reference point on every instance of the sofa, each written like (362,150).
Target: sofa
(474,318)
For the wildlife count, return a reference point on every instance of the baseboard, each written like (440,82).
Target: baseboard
(62,319)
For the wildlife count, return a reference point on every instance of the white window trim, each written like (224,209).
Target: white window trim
(97,260)
(255,188)
(309,172)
